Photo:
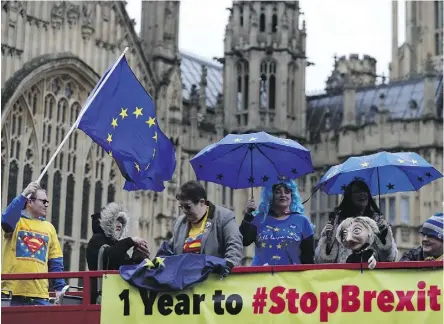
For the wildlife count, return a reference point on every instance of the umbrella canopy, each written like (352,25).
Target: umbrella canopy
(251,160)
(383,172)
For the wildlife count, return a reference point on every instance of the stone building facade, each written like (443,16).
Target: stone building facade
(53,53)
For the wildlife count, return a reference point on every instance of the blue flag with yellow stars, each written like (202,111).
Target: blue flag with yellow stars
(172,273)
(120,116)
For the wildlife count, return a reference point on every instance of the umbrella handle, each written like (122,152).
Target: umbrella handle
(251,170)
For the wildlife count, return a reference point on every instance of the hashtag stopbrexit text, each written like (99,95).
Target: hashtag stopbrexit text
(350,299)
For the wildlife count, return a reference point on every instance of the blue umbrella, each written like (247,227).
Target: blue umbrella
(383,172)
(251,160)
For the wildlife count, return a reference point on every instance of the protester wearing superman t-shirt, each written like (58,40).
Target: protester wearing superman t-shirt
(31,246)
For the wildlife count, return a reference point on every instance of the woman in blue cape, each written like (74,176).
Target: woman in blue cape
(281,232)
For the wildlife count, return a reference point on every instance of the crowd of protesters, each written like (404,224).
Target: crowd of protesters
(279,229)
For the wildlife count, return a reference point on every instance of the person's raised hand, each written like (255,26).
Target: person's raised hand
(30,189)
(250,205)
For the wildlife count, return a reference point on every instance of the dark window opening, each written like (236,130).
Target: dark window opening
(69,205)
(85,209)
(272,91)
(274,22)
(12,185)
(98,197)
(55,210)
(262,23)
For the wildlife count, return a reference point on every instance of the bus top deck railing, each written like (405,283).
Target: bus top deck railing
(87,313)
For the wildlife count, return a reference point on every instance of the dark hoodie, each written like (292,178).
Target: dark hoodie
(116,254)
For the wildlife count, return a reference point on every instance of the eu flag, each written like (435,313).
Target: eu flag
(172,273)
(120,116)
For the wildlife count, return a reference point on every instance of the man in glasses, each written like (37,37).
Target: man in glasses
(205,228)
(31,246)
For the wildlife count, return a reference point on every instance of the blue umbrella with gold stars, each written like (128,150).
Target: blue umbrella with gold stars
(251,160)
(383,172)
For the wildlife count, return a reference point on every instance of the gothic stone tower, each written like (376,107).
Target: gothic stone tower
(160,41)
(264,70)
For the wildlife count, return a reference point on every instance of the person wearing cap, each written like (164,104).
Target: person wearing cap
(431,248)
(282,234)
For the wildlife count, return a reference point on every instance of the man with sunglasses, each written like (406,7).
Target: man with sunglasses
(31,246)
(205,228)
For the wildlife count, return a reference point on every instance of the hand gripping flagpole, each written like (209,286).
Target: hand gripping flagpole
(82,112)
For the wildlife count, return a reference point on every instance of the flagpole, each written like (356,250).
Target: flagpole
(82,112)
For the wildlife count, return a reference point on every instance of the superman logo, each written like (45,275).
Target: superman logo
(33,243)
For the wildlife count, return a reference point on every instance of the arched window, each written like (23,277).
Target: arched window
(262,22)
(69,205)
(99,168)
(85,208)
(267,85)
(242,85)
(112,183)
(291,91)
(55,209)
(13,177)
(274,23)
(67,251)
(241,16)
(27,175)
(43,112)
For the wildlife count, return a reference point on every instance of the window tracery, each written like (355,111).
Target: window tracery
(53,104)
(267,85)
(112,183)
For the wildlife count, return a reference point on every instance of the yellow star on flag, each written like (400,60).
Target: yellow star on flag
(123,113)
(400,161)
(114,123)
(155,136)
(365,164)
(151,121)
(138,112)
(414,162)
(279,246)
(263,244)
(110,138)
(110,153)
(137,167)
(148,264)
(159,261)
(237,140)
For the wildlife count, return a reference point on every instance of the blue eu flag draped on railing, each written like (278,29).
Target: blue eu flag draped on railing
(120,116)
(170,273)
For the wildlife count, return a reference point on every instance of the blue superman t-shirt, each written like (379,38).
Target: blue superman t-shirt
(278,241)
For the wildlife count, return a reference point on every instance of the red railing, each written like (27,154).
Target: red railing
(86,313)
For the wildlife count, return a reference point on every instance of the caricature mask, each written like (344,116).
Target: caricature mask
(357,233)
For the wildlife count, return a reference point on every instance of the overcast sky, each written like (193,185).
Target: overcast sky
(333,27)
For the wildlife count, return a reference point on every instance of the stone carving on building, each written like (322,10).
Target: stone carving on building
(263,102)
(88,13)
(58,14)
(169,24)
(253,17)
(72,13)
